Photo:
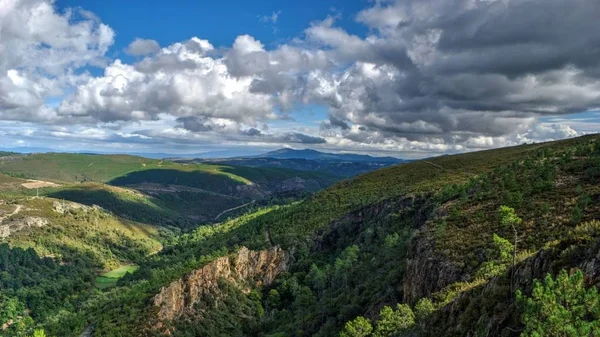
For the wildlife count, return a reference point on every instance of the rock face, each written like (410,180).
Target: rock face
(67,207)
(246,268)
(16,225)
(426,271)
(493,305)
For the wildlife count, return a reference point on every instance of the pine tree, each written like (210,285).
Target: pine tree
(561,307)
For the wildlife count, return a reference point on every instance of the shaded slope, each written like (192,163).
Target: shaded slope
(422,229)
(161,192)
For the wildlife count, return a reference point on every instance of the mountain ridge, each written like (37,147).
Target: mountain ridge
(310,154)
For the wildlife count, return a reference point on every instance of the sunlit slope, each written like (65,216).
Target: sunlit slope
(68,167)
(354,241)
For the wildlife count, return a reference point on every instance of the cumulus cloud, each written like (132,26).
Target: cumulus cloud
(437,71)
(141,47)
(429,76)
(181,80)
(40,50)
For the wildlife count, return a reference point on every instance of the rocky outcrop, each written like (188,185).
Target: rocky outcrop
(491,307)
(12,226)
(246,268)
(63,207)
(426,271)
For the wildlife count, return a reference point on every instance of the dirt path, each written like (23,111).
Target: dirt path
(233,209)
(16,211)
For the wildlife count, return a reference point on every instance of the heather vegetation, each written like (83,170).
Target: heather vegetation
(446,246)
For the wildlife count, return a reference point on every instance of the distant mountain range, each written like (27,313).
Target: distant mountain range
(284,153)
(342,165)
(317,155)
(153,155)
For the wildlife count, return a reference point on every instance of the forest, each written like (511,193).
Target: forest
(499,242)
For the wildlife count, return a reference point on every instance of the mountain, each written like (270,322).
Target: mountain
(152,155)
(426,248)
(341,165)
(317,155)
(159,191)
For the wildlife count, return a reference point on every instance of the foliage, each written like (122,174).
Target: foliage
(508,216)
(423,309)
(359,327)
(561,307)
(391,322)
(350,245)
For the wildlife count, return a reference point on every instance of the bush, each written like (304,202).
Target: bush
(561,307)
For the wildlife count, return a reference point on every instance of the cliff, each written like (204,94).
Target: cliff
(12,226)
(246,268)
(491,306)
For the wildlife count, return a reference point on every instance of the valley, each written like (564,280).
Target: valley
(333,168)
(424,241)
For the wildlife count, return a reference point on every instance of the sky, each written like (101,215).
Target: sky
(407,78)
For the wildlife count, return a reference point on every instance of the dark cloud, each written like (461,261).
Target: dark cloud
(336,122)
(194,124)
(437,70)
(294,137)
(141,47)
(288,137)
(251,132)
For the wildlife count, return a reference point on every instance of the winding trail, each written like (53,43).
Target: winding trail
(233,209)
(16,211)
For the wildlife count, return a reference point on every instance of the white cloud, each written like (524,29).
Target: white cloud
(431,76)
(40,50)
(142,47)
(272,18)
(181,80)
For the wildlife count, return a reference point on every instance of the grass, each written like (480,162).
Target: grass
(107,241)
(361,212)
(111,278)
(69,167)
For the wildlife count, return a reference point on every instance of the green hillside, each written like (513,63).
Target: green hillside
(69,167)
(159,192)
(420,249)
(423,230)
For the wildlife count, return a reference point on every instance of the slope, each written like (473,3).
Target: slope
(161,192)
(397,235)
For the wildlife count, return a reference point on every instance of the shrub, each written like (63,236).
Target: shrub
(561,307)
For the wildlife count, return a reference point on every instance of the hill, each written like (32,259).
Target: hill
(341,165)
(317,155)
(419,249)
(419,233)
(161,192)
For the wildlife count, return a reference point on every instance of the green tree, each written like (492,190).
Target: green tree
(391,321)
(39,333)
(359,327)
(503,248)
(423,309)
(317,278)
(561,307)
(509,218)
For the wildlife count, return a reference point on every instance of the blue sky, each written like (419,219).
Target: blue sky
(410,78)
(218,21)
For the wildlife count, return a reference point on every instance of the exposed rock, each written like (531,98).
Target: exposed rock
(426,271)
(246,268)
(64,207)
(496,300)
(16,225)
